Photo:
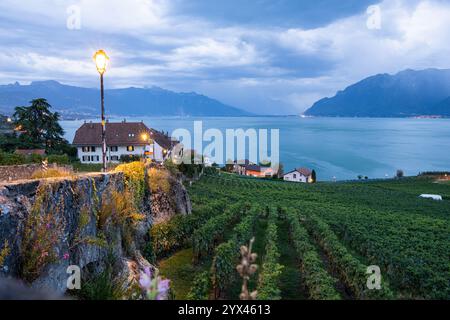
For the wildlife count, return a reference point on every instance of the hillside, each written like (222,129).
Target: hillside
(407,94)
(313,241)
(74,101)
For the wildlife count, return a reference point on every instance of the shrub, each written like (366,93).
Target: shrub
(87,167)
(172,167)
(36,158)
(10,159)
(104,286)
(4,253)
(135,180)
(158,180)
(52,173)
(58,159)
(42,232)
(130,158)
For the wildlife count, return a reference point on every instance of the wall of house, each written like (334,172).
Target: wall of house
(122,150)
(158,152)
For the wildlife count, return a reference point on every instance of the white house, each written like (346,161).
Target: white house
(122,139)
(301,175)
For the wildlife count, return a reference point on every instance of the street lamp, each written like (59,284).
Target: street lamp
(101,62)
(147,139)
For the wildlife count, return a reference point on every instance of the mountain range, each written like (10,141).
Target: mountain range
(408,93)
(77,102)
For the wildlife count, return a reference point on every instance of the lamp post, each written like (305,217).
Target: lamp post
(147,139)
(101,62)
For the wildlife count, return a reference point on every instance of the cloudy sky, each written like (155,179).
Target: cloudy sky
(265,56)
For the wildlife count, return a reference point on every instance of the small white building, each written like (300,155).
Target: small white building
(301,175)
(122,139)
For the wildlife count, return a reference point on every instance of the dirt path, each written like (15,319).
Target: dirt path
(291,284)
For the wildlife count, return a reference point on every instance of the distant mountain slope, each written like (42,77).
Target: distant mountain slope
(443,107)
(76,101)
(408,93)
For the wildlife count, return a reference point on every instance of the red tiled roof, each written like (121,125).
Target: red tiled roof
(119,134)
(303,171)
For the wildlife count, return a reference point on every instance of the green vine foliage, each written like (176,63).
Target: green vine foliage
(320,285)
(352,224)
(268,287)
(176,233)
(352,272)
(227,255)
(206,237)
(201,287)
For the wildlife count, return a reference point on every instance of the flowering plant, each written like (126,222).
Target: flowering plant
(154,288)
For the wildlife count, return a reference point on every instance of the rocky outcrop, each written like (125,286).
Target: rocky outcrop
(52,224)
(165,205)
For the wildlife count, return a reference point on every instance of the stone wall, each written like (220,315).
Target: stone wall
(22,172)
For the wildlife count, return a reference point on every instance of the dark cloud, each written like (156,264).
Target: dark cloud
(285,13)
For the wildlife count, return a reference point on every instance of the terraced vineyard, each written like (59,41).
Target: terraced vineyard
(313,241)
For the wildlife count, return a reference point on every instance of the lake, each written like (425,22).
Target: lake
(340,148)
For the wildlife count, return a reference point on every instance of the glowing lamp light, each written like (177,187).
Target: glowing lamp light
(144,137)
(101,61)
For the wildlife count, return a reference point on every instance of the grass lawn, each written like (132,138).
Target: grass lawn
(179,269)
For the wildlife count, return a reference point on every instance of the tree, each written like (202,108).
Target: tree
(39,126)
(313,176)
(280,172)
(400,174)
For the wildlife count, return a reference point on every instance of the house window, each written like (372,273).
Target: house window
(130,148)
(98,158)
(88,149)
(114,158)
(114,149)
(295,176)
(131,135)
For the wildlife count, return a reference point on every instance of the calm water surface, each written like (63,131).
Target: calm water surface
(337,147)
